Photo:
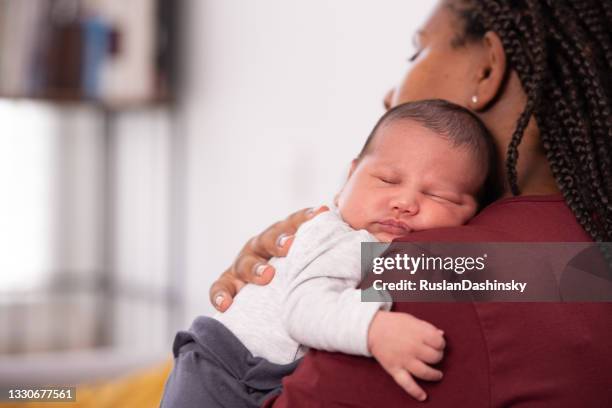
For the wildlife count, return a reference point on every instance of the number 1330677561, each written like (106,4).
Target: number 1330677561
(38,394)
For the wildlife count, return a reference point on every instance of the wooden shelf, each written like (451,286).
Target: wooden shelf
(91,55)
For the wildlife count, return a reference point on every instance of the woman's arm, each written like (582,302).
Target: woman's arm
(251,264)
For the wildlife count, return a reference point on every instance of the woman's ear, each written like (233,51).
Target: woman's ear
(491,72)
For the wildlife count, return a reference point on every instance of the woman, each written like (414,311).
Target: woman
(537,72)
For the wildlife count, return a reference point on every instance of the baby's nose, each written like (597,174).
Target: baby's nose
(405,206)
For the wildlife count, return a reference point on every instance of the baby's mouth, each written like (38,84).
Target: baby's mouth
(394,227)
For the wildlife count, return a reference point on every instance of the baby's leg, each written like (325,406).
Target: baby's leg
(213,368)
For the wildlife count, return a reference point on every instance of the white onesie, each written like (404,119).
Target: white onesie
(312,300)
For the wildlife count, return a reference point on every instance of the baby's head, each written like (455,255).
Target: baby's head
(423,166)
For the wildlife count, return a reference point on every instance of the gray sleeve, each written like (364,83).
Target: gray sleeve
(322,307)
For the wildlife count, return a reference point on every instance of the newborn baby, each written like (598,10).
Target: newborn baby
(423,166)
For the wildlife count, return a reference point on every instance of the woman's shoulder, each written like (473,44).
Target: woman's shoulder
(514,219)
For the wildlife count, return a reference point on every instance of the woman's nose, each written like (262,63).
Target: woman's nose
(388,98)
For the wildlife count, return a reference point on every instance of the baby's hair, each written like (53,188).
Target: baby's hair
(455,123)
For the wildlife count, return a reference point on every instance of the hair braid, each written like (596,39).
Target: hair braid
(522,47)
(594,159)
(607,7)
(584,148)
(592,23)
(561,51)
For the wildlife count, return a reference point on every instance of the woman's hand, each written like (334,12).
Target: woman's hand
(251,265)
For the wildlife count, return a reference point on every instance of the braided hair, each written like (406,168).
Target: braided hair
(562,53)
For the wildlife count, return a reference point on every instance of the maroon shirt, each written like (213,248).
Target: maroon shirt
(497,354)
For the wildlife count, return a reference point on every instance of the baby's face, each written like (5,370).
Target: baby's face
(410,180)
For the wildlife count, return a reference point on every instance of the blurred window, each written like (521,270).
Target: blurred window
(27,153)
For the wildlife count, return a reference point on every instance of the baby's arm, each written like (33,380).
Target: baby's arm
(322,307)
(405,346)
(324,310)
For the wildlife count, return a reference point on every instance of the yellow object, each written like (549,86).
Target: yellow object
(139,390)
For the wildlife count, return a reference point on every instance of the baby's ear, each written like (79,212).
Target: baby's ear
(354,164)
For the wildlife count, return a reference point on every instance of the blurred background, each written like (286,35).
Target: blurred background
(142,142)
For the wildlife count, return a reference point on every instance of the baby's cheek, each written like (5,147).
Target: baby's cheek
(356,217)
(463,215)
(349,211)
(438,216)
(466,212)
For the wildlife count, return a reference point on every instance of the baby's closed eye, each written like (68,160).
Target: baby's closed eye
(442,197)
(387,179)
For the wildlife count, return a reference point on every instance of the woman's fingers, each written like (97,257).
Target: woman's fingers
(247,269)
(277,239)
(224,289)
(405,380)
(253,269)
(299,217)
(252,266)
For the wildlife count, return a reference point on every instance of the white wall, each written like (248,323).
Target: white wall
(280,96)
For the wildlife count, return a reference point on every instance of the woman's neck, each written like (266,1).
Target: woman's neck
(534,176)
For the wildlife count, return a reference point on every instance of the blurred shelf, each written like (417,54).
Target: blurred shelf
(67,99)
(101,53)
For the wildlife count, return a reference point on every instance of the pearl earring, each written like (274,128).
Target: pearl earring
(474,99)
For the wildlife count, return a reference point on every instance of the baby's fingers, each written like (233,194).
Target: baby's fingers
(435,339)
(424,372)
(405,380)
(429,355)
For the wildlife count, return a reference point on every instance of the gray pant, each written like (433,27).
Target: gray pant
(212,368)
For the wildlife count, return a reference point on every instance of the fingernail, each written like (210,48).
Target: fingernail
(282,240)
(218,300)
(316,210)
(423,397)
(441,332)
(310,212)
(259,269)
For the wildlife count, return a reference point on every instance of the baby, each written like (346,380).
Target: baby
(423,166)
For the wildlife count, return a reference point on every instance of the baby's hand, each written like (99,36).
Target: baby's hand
(405,346)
